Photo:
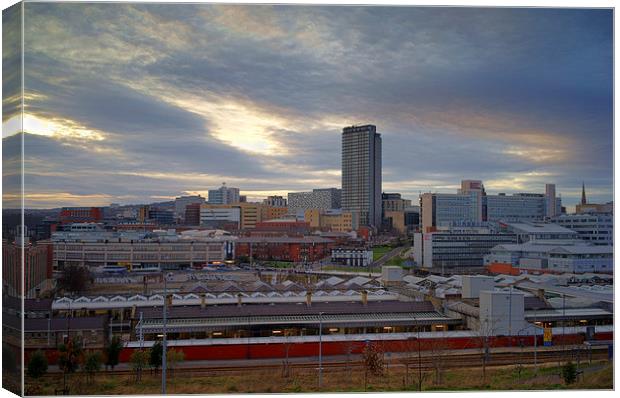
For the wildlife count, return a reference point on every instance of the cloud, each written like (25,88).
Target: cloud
(136,102)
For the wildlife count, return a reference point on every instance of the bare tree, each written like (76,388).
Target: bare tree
(438,354)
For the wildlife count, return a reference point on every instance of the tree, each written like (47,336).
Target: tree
(74,278)
(92,364)
(139,359)
(156,354)
(569,373)
(9,363)
(37,366)
(173,357)
(373,362)
(113,351)
(69,358)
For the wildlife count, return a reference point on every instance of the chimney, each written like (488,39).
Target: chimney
(203,301)
(37,294)
(133,311)
(168,299)
(239,299)
(541,294)
(309,298)
(365,297)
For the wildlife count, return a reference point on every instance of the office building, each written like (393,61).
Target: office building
(181,203)
(141,250)
(220,216)
(224,195)
(161,216)
(352,256)
(270,212)
(322,199)
(553,256)
(532,231)
(275,201)
(283,248)
(456,248)
(472,204)
(596,228)
(444,209)
(70,215)
(37,268)
(361,174)
(192,214)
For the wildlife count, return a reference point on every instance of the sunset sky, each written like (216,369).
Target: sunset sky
(141,103)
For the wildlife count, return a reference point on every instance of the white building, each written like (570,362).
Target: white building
(559,256)
(141,250)
(356,257)
(459,248)
(215,216)
(223,195)
(502,313)
(597,228)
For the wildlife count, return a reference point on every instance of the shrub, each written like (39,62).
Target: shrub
(37,366)
(569,373)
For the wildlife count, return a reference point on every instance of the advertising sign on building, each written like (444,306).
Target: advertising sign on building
(547,337)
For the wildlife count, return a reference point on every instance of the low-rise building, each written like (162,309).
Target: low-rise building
(464,248)
(141,250)
(597,228)
(553,256)
(283,248)
(352,256)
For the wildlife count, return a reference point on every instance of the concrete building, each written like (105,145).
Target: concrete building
(181,203)
(443,209)
(550,201)
(502,312)
(361,174)
(517,207)
(69,215)
(531,231)
(553,256)
(322,199)
(275,201)
(597,228)
(37,268)
(352,256)
(456,249)
(140,251)
(192,214)
(270,212)
(223,195)
(220,216)
(472,204)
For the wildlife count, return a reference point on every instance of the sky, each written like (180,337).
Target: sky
(141,103)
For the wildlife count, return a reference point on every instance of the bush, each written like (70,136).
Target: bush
(113,351)
(37,366)
(569,373)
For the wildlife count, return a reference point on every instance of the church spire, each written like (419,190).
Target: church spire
(583,194)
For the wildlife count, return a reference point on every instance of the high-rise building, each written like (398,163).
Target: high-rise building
(550,200)
(323,199)
(361,174)
(224,195)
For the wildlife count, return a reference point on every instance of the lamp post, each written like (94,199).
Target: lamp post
(320,349)
(165,342)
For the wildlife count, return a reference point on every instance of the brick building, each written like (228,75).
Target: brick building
(284,248)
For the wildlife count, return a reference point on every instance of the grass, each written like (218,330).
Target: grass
(280,264)
(380,251)
(363,270)
(334,380)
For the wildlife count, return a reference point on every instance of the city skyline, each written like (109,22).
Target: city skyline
(514,97)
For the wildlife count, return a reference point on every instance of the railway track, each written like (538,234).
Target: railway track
(427,363)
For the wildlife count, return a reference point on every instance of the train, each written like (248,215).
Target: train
(308,346)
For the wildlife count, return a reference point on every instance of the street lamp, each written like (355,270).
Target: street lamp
(320,348)
(165,342)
